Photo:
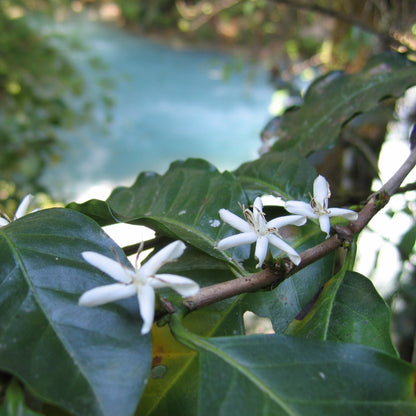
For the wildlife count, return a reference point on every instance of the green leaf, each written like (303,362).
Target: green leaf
(285,174)
(334,99)
(183,203)
(14,402)
(281,375)
(172,387)
(90,361)
(348,309)
(407,243)
(96,209)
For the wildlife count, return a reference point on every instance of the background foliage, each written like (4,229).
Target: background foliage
(42,97)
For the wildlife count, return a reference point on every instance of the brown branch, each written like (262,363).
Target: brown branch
(269,277)
(407,188)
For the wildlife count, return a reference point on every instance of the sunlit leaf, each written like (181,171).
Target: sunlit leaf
(183,203)
(285,174)
(66,354)
(334,99)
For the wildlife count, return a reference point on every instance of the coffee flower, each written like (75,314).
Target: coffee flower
(20,211)
(318,207)
(139,281)
(256,229)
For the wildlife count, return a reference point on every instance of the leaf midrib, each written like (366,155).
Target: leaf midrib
(202,343)
(195,353)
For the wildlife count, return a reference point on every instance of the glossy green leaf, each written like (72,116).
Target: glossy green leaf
(172,387)
(281,375)
(348,309)
(183,203)
(14,402)
(285,174)
(90,361)
(334,99)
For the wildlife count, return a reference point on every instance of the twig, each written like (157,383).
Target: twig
(343,235)
(407,188)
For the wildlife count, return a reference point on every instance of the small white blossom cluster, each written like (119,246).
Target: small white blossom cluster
(142,281)
(255,228)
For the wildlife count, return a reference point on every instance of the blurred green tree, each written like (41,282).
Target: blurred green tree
(41,95)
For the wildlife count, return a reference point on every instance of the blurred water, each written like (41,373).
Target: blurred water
(169,104)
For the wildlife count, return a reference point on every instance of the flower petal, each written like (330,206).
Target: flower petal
(258,209)
(286,248)
(342,212)
(321,192)
(287,220)
(109,266)
(300,208)
(261,249)
(236,240)
(258,204)
(169,253)
(3,222)
(146,297)
(325,224)
(182,285)
(23,206)
(234,220)
(108,293)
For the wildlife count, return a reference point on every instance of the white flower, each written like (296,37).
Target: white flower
(20,211)
(318,207)
(256,229)
(141,281)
